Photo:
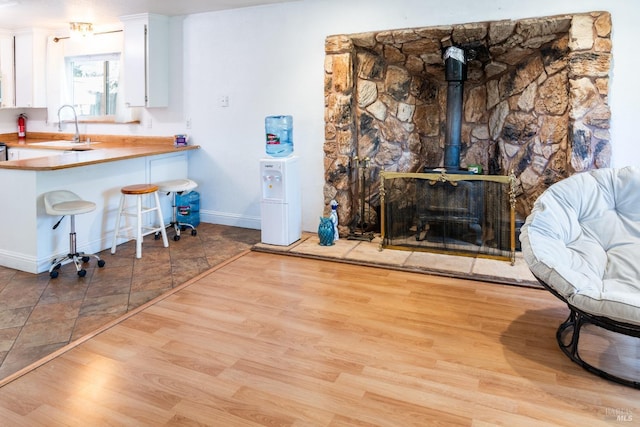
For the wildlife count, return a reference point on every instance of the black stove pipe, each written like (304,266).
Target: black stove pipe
(455,74)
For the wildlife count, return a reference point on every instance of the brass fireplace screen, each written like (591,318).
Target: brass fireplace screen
(464,214)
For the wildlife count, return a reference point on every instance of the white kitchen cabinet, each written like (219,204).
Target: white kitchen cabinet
(30,68)
(7,92)
(146,60)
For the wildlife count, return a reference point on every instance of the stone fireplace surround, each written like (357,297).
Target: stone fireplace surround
(535,103)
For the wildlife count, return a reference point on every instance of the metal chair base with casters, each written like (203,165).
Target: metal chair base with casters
(173,188)
(65,203)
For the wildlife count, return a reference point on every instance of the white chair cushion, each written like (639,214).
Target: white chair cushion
(582,239)
(64,202)
(177,185)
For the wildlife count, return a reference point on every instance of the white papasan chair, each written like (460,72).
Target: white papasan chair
(582,242)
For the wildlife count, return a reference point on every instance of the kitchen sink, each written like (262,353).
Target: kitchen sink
(65,144)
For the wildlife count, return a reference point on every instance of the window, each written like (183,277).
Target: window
(93,85)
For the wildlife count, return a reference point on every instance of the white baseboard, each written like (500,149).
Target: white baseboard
(233,220)
(19,262)
(32,265)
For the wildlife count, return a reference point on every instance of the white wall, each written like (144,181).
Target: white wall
(269,60)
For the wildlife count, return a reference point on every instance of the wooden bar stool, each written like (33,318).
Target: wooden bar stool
(139,190)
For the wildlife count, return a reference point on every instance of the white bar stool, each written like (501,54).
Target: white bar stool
(63,202)
(173,188)
(139,190)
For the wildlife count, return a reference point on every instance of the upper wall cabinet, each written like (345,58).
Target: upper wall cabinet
(7,91)
(30,68)
(146,60)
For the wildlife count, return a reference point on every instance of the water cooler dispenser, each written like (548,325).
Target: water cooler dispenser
(281,207)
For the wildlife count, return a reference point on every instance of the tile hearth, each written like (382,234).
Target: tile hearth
(368,253)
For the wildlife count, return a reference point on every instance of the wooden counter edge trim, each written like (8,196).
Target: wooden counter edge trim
(12,138)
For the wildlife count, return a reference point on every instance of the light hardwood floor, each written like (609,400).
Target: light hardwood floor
(278,340)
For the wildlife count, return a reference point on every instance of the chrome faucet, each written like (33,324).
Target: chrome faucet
(76,137)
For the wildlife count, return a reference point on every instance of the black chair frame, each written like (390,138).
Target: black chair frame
(571,328)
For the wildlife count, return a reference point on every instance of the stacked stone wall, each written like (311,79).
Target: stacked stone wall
(535,102)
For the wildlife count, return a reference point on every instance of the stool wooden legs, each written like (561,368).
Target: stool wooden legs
(141,229)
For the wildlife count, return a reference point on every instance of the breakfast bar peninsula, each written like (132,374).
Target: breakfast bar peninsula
(95,171)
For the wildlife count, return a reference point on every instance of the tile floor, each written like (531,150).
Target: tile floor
(39,315)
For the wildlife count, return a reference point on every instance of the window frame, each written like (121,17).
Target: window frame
(106,58)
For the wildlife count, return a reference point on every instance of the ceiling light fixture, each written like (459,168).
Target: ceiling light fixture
(80,30)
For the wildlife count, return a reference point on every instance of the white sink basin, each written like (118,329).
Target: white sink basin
(63,144)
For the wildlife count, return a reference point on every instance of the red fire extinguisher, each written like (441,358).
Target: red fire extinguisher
(22,126)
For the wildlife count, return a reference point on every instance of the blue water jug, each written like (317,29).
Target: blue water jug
(188,208)
(279,130)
